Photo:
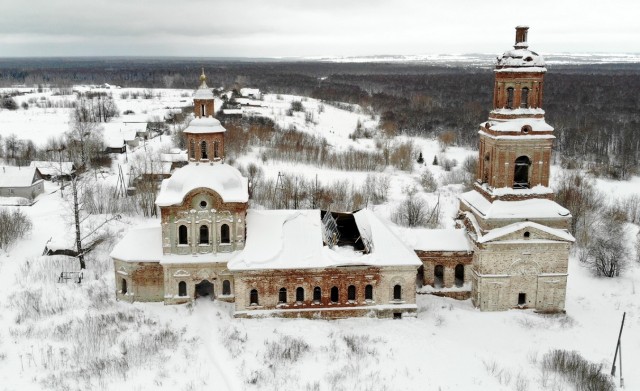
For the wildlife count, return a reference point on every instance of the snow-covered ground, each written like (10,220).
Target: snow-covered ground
(76,336)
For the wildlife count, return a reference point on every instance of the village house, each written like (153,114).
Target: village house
(24,182)
(510,248)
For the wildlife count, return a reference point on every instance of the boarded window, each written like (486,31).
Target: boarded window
(253,297)
(300,294)
(368,292)
(524,98)
(317,294)
(226,287)
(397,292)
(335,294)
(182,288)
(192,149)
(182,234)
(203,150)
(282,295)
(224,233)
(521,173)
(351,293)
(459,275)
(124,286)
(204,234)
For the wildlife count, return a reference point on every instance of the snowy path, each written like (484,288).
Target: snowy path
(207,316)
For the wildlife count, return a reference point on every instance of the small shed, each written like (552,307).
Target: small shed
(55,170)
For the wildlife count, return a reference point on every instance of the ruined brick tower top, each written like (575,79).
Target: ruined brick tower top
(205,134)
(515,143)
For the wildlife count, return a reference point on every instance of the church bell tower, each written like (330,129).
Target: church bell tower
(515,142)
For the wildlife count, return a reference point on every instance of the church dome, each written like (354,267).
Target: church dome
(520,56)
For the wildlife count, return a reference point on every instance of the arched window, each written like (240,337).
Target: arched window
(182,234)
(335,294)
(253,297)
(351,293)
(368,292)
(524,98)
(509,98)
(182,288)
(224,233)
(226,287)
(282,295)
(203,111)
(300,294)
(203,150)
(459,275)
(438,276)
(124,286)
(397,292)
(216,149)
(317,294)
(521,173)
(192,149)
(204,234)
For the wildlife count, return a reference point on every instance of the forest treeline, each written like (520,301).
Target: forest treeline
(594,108)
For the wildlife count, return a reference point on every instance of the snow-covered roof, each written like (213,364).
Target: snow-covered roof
(292,239)
(203,93)
(511,228)
(232,111)
(524,60)
(205,125)
(53,168)
(179,156)
(140,244)
(438,239)
(516,125)
(225,180)
(536,208)
(11,176)
(249,91)
(116,131)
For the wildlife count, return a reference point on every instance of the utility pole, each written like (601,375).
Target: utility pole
(619,348)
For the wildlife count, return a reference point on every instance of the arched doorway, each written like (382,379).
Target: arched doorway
(438,276)
(203,289)
(521,173)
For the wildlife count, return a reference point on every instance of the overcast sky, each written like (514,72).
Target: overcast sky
(277,28)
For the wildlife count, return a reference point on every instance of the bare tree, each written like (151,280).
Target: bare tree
(13,226)
(576,192)
(606,253)
(413,211)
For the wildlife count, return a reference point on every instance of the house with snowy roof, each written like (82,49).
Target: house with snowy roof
(24,182)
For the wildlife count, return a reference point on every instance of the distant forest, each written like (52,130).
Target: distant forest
(594,108)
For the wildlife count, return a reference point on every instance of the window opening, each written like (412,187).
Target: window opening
(524,98)
(300,294)
(124,286)
(397,292)
(510,98)
(334,294)
(317,294)
(226,287)
(253,297)
(459,275)
(438,274)
(182,234)
(522,298)
(282,295)
(204,234)
(368,292)
(351,293)
(521,173)
(182,288)
(203,150)
(224,234)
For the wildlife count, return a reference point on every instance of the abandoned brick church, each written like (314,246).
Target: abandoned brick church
(510,249)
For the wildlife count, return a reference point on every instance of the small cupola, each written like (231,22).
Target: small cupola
(521,37)
(203,99)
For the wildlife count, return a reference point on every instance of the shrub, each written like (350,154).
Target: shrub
(428,181)
(13,226)
(584,375)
